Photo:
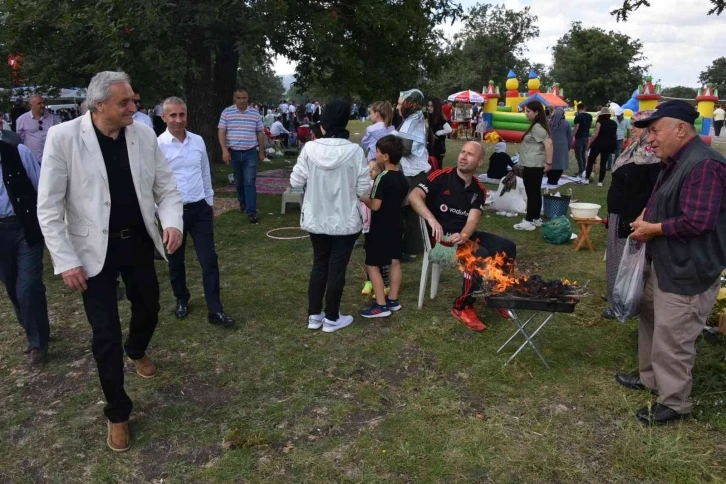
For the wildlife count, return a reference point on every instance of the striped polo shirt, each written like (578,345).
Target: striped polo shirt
(241,128)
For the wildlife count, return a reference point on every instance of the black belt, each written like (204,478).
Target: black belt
(242,151)
(7,220)
(187,206)
(122,235)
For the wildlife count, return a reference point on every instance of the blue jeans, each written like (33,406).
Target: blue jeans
(616,155)
(244,168)
(581,154)
(21,270)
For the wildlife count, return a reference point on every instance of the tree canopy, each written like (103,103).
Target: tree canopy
(680,92)
(716,75)
(597,66)
(630,6)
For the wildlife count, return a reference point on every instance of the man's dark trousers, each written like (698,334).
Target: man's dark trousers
(489,245)
(133,257)
(717,126)
(198,222)
(21,270)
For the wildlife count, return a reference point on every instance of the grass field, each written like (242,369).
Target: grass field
(413,398)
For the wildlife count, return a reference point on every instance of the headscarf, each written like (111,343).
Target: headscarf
(334,119)
(500,147)
(558,117)
(638,151)
(411,102)
(509,182)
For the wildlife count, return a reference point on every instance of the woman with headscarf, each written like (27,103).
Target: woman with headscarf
(603,143)
(561,134)
(634,175)
(415,164)
(510,197)
(499,162)
(334,173)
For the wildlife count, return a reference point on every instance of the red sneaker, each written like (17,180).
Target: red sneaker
(469,318)
(503,312)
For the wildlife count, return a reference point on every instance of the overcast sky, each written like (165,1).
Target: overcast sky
(678,42)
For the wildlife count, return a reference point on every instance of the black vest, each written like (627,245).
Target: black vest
(21,192)
(691,266)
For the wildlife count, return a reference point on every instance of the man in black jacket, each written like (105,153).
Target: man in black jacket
(21,245)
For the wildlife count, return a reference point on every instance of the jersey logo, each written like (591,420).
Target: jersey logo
(473,198)
(444,208)
(447,192)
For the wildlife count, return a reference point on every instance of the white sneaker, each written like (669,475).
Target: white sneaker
(537,222)
(523,225)
(599,184)
(315,321)
(342,321)
(266,160)
(585,182)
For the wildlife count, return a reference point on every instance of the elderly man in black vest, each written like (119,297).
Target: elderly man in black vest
(21,245)
(684,226)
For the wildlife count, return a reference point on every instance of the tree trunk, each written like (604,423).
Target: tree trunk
(202,113)
(226,60)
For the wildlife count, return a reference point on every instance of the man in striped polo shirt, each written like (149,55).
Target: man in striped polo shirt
(240,133)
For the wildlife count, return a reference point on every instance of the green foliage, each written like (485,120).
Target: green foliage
(680,91)
(716,75)
(262,83)
(490,43)
(596,66)
(630,6)
(366,49)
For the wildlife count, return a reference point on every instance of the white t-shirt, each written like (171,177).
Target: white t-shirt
(291,109)
(283,108)
(719,114)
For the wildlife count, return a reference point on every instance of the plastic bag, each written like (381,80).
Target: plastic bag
(557,231)
(630,281)
(444,253)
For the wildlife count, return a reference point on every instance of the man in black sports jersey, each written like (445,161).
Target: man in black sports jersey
(451,200)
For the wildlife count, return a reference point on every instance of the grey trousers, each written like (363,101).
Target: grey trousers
(667,332)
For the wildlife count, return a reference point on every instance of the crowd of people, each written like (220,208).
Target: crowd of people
(104,192)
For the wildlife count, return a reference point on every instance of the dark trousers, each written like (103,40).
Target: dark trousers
(488,245)
(198,222)
(134,259)
(413,243)
(553,176)
(21,270)
(283,137)
(532,178)
(581,153)
(331,254)
(717,126)
(594,153)
(244,168)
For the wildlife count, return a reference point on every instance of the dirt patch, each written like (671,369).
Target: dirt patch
(157,455)
(200,393)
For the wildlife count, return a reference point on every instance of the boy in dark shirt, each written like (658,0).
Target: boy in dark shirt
(383,243)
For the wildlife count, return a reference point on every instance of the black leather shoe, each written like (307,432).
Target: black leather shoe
(630,380)
(659,414)
(38,355)
(221,319)
(242,209)
(253,218)
(608,314)
(182,308)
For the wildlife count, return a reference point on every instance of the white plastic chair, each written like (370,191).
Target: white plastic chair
(435,267)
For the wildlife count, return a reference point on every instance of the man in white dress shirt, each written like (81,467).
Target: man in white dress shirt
(138,116)
(277,130)
(187,157)
(283,110)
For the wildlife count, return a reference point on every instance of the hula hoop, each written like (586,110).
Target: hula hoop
(286,238)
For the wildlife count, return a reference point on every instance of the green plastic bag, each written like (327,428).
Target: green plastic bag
(444,253)
(557,231)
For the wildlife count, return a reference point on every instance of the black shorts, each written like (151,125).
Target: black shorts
(381,249)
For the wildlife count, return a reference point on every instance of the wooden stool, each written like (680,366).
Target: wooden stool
(584,236)
(291,197)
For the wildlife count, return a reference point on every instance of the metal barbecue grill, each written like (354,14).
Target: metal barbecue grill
(550,306)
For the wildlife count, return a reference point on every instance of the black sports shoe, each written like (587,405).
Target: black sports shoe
(221,319)
(242,208)
(182,308)
(253,218)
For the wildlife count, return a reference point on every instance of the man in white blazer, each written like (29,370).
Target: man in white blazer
(102,174)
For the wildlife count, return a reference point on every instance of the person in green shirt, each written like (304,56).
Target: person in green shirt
(535,155)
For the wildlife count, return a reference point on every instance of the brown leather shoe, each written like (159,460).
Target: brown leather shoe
(119,439)
(145,368)
(38,355)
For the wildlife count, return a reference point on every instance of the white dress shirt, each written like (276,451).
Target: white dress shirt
(190,164)
(283,108)
(291,109)
(277,129)
(142,118)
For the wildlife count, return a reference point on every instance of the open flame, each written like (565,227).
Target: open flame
(498,275)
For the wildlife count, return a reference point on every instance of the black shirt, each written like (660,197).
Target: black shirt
(450,201)
(125,210)
(606,140)
(585,122)
(498,164)
(391,188)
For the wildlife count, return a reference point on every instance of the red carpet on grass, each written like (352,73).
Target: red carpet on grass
(270,182)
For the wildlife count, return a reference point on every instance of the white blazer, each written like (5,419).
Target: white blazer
(74,201)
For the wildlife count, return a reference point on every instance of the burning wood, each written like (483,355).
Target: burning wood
(499,278)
